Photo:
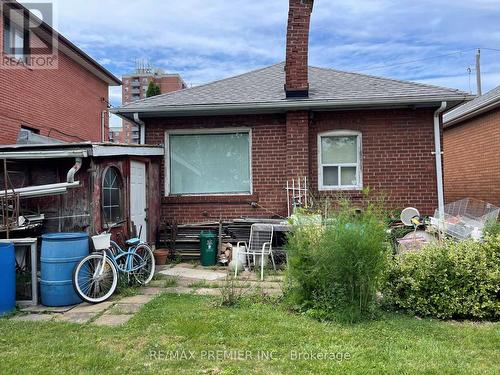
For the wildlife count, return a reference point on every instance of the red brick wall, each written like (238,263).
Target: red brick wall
(397,159)
(268,169)
(472,159)
(397,148)
(297,44)
(64,103)
(297,141)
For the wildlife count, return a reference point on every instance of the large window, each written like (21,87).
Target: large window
(216,162)
(339,160)
(112,196)
(14,36)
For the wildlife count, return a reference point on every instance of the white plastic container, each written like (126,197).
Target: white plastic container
(237,254)
(102,241)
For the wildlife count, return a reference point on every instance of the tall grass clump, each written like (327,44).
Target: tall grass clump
(336,267)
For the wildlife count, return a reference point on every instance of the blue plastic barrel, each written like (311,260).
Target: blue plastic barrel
(7,278)
(61,252)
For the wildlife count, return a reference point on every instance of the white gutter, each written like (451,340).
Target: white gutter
(43,154)
(142,128)
(439,165)
(475,112)
(285,105)
(42,190)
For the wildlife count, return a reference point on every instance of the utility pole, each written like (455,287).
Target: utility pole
(478,71)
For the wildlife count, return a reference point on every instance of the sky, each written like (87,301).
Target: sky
(203,40)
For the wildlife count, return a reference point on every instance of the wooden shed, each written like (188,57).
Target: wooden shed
(81,187)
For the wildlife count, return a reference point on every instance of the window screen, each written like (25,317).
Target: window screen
(209,163)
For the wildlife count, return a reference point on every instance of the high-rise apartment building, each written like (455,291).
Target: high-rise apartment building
(135,87)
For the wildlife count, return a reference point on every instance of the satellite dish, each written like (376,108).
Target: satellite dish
(407,214)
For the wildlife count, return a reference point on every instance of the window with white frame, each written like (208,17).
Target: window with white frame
(339,160)
(209,162)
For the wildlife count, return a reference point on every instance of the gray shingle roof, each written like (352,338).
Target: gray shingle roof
(467,110)
(266,86)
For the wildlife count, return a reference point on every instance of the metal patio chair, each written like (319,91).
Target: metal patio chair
(260,243)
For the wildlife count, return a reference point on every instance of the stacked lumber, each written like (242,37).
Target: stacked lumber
(184,239)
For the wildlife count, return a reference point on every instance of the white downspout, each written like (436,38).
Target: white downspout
(103,125)
(439,165)
(142,128)
(70,176)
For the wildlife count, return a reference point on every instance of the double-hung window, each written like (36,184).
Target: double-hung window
(214,161)
(339,160)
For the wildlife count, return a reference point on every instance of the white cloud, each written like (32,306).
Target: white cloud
(207,40)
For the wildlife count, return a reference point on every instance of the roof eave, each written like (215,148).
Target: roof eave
(285,105)
(475,112)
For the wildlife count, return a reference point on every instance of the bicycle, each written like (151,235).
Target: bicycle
(95,277)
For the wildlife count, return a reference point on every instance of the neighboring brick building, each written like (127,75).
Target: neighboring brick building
(135,87)
(68,103)
(472,150)
(232,145)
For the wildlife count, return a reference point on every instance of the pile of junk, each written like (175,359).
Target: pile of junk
(460,220)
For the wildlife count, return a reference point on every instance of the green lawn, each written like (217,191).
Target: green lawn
(395,344)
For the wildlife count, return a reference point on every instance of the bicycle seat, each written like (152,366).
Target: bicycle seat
(133,241)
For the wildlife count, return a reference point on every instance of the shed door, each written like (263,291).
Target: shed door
(138,197)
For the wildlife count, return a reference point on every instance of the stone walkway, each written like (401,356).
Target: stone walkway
(184,278)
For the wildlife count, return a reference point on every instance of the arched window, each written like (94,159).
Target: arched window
(112,195)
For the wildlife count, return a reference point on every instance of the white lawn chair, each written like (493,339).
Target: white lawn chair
(260,243)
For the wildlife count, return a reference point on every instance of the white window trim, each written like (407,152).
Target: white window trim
(359,164)
(205,131)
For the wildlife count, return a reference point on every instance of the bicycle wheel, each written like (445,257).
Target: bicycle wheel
(91,286)
(144,261)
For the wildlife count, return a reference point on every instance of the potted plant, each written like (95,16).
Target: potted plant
(161,256)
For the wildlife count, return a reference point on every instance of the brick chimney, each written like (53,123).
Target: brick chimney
(297,46)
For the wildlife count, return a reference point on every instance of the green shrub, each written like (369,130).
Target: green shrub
(492,228)
(334,270)
(448,280)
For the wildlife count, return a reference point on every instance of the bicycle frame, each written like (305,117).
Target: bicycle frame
(129,255)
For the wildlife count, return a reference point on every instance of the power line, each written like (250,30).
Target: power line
(375,67)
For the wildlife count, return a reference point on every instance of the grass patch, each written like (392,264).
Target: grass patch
(394,344)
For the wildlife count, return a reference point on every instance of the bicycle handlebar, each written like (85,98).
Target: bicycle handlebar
(117,224)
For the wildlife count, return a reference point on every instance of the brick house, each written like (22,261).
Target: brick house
(472,150)
(66,100)
(231,145)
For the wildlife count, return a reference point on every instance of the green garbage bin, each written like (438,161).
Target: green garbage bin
(208,248)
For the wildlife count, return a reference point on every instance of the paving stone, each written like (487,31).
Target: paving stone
(33,318)
(92,308)
(124,308)
(151,291)
(162,267)
(39,309)
(140,298)
(184,281)
(157,283)
(112,320)
(199,274)
(184,265)
(82,317)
